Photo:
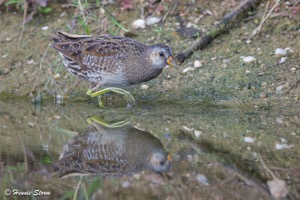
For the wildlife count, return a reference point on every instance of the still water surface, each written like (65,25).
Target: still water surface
(79,151)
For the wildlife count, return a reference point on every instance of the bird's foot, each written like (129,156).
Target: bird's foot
(101,121)
(129,98)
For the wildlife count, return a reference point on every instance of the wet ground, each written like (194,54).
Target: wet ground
(217,152)
(232,128)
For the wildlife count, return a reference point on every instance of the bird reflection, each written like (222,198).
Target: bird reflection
(112,150)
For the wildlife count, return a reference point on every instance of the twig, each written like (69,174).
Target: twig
(264,18)
(170,10)
(41,63)
(156,9)
(23,22)
(114,20)
(226,22)
(77,189)
(294,86)
(269,172)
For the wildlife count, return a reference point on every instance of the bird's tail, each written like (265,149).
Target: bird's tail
(62,36)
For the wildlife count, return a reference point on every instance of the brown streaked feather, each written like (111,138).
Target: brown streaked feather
(104,49)
(106,45)
(110,60)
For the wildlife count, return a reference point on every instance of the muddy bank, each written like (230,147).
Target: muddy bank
(30,66)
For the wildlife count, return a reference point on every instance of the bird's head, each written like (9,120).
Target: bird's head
(160,162)
(160,55)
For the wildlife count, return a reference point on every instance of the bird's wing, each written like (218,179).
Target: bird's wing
(99,164)
(97,50)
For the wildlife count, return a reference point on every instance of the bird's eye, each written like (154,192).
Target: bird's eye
(161,54)
(161,163)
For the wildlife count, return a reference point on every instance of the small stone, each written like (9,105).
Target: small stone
(125,184)
(289,50)
(30,62)
(152,20)
(31,124)
(144,87)
(223,65)
(59,99)
(197,133)
(249,139)
(56,116)
(208,12)
(283,140)
(139,24)
(136,176)
(44,28)
(197,64)
(202,179)
(189,25)
(279,119)
(282,59)
(190,158)
(64,14)
(8,39)
(280,52)
(279,88)
(283,146)
(102,11)
(177,24)
(186,70)
(247,72)
(168,77)
(293,69)
(248,59)
(56,76)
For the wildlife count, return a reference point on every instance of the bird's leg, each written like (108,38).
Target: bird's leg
(93,87)
(129,98)
(101,121)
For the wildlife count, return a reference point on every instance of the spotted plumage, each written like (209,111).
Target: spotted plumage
(112,152)
(111,60)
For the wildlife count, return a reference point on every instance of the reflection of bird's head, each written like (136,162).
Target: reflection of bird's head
(160,162)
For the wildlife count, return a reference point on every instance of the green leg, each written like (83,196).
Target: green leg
(100,102)
(101,121)
(129,98)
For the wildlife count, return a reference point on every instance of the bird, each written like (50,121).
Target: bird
(106,151)
(111,61)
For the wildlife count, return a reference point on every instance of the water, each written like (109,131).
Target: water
(217,152)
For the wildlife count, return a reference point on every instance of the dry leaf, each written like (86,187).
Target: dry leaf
(278,188)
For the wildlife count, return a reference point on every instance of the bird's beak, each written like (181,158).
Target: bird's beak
(171,62)
(169,157)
